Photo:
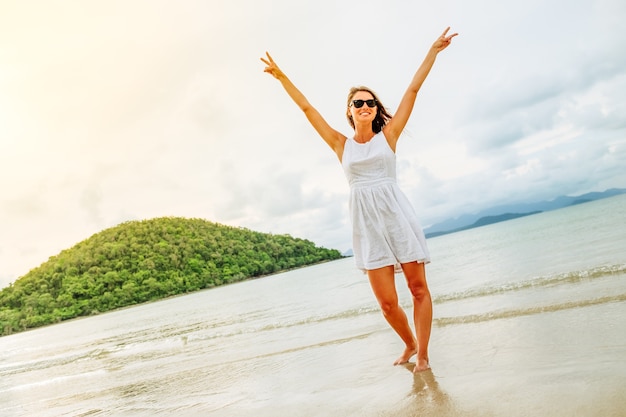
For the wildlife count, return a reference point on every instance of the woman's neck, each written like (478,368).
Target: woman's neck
(363,134)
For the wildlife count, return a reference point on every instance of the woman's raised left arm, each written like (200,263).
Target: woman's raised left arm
(396,124)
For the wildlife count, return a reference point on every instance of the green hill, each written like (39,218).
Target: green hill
(141,261)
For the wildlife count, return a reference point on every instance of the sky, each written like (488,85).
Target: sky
(112,111)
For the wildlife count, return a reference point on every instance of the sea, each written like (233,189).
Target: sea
(529,320)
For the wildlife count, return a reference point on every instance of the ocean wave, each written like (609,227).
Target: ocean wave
(511,313)
(62,379)
(65,358)
(572,277)
(285,324)
(535,283)
(567,278)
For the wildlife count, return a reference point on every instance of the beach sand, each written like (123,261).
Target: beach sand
(568,362)
(562,363)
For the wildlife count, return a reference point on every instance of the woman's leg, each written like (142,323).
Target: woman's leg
(415,274)
(383,284)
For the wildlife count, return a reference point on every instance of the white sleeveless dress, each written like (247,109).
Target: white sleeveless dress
(385,229)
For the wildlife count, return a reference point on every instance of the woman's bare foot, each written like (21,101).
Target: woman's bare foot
(421,365)
(406,355)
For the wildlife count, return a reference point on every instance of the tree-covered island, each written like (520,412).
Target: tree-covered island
(147,260)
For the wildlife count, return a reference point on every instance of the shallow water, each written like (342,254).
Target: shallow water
(529,319)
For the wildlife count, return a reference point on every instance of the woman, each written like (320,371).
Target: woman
(386,234)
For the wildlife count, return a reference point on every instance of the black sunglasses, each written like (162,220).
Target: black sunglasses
(359,103)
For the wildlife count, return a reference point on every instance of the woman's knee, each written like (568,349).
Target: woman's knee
(419,290)
(388,307)
(416,280)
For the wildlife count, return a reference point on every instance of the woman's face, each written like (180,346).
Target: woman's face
(365,113)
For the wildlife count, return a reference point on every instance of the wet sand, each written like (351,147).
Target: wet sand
(563,363)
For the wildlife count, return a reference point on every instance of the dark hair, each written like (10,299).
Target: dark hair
(382,115)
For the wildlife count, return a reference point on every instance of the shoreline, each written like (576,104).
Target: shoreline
(99,313)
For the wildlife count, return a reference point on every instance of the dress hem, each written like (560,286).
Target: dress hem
(396,265)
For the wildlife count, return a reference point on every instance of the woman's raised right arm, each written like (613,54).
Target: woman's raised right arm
(333,138)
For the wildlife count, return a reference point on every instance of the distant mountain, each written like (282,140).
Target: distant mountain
(484,221)
(509,211)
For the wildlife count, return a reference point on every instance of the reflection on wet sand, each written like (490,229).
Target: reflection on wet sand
(426,397)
